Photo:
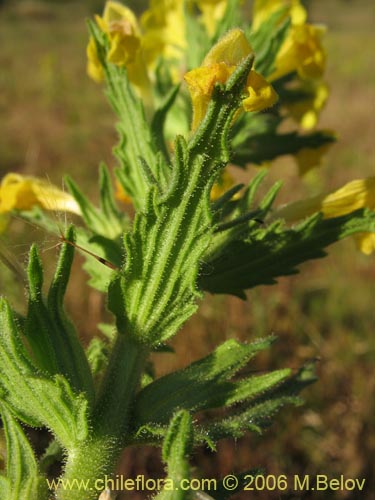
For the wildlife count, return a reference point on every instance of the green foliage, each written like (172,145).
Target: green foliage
(154,269)
(151,298)
(23,480)
(37,398)
(267,146)
(177,447)
(107,221)
(60,352)
(263,255)
(192,388)
(268,39)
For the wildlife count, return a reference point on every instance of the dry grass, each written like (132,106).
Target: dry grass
(54,120)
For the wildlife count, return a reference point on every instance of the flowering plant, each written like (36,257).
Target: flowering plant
(194,231)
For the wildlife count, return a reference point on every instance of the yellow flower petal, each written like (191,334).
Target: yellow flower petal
(94,68)
(263,9)
(365,242)
(115,11)
(18,192)
(356,194)
(201,82)
(353,196)
(230,49)
(217,66)
(302,51)
(261,94)
(164,30)
(121,25)
(124,46)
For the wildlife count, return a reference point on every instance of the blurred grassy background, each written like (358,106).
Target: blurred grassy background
(54,120)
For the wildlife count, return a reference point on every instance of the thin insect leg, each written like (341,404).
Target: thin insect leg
(102,260)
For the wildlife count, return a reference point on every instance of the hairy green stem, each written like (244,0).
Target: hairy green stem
(95,459)
(119,385)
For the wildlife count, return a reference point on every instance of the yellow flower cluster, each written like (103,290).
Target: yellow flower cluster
(218,65)
(302,53)
(138,43)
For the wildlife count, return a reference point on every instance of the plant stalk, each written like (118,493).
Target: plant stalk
(93,461)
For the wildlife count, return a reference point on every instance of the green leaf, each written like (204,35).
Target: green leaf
(69,351)
(238,223)
(265,58)
(268,39)
(156,291)
(97,355)
(266,147)
(37,399)
(253,124)
(24,479)
(203,384)
(259,414)
(276,251)
(231,19)
(199,41)
(246,389)
(116,220)
(135,136)
(38,326)
(177,447)
(52,454)
(159,118)
(4,487)
(106,222)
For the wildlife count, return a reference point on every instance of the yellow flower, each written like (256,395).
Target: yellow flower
(94,68)
(263,9)
(164,30)
(356,194)
(261,93)
(306,112)
(121,27)
(212,12)
(302,51)
(218,65)
(18,192)
(365,242)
